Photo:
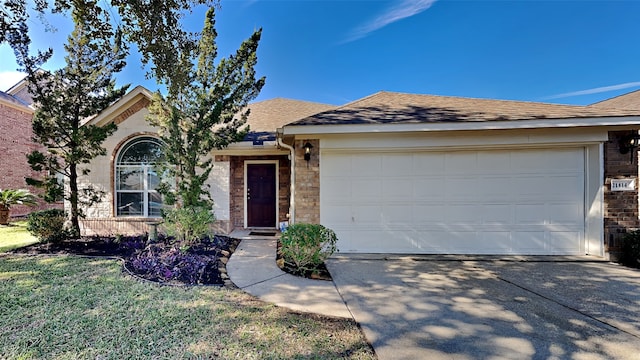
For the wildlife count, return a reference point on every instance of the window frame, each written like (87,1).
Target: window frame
(146,168)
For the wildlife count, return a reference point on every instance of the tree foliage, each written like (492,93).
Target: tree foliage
(68,97)
(205,109)
(154,26)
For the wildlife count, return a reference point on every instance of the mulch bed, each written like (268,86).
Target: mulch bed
(319,273)
(163,261)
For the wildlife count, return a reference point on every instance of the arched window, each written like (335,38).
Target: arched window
(136,180)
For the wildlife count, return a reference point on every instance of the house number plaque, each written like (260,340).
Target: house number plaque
(623,184)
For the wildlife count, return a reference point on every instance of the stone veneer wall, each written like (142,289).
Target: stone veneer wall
(237,186)
(307,183)
(620,207)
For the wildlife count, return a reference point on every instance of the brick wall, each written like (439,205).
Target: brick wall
(15,144)
(620,207)
(307,184)
(237,186)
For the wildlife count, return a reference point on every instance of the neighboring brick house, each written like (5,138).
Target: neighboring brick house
(15,144)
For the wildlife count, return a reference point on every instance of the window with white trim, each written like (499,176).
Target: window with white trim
(136,179)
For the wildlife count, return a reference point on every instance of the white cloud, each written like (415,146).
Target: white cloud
(403,10)
(9,78)
(594,90)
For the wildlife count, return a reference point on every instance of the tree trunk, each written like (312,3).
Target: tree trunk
(4,215)
(73,200)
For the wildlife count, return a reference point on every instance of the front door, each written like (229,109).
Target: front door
(261,195)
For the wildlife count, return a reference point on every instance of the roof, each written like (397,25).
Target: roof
(400,108)
(14,102)
(268,115)
(625,101)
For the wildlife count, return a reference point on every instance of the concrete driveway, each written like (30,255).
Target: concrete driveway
(475,308)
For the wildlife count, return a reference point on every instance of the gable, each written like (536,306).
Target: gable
(626,101)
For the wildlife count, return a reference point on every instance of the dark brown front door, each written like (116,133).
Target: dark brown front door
(261,195)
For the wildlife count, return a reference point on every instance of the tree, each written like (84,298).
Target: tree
(205,109)
(66,98)
(154,26)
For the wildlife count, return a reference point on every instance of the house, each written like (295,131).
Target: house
(15,144)
(403,173)
(250,183)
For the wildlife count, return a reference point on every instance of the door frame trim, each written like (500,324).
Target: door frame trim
(277,185)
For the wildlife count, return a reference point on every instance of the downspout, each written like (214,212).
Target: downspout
(292,190)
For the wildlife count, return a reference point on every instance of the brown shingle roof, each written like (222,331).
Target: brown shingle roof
(625,101)
(267,116)
(400,108)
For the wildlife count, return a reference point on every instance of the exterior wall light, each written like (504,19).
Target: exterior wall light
(629,144)
(307,151)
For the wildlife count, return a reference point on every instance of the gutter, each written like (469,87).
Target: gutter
(292,190)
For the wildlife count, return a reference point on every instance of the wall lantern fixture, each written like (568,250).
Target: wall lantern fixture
(307,151)
(629,144)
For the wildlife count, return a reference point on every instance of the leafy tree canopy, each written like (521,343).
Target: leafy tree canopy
(66,98)
(205,109)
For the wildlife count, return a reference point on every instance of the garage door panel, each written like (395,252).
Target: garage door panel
(495,188)
(367,165)
(398,214)
(461,187)
(562,242)
(494,162)
(468,202)
(429,164)
(338,215)
(428,213)
(338,165)
(529,242)
(336,189)
(397,165)
(397,189)
(461,162)
(463,214)
(499,214)
(497,242)
(565,214)
(367,214)
(366,189)
(429,188)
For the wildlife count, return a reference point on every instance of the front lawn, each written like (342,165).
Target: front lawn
(68,307)
(15,235)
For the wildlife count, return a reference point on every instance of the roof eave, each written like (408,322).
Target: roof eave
(455,126)
(113,110)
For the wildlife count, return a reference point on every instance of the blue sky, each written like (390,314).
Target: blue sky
(573,52)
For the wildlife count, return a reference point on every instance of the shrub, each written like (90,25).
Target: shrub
(306,246)
(189,224)
(47,225)
(631,249)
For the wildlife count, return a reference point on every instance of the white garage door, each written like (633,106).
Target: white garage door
(455,202)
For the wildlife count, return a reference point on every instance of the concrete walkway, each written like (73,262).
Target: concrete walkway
(252,268)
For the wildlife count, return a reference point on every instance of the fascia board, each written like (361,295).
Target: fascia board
(127,100)
(19,107)
(453,126)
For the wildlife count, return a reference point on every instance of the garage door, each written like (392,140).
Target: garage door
(455,202)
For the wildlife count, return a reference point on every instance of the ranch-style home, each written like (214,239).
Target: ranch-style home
(403,173)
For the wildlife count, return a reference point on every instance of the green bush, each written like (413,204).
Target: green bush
(631,249)
(307,246)
(47,225)
(189,224)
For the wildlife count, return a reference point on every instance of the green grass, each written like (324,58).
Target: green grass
(67,307)
(15,235)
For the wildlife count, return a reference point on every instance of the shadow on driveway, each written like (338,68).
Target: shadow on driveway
(473,309)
